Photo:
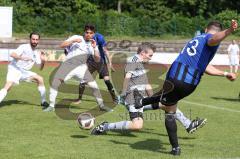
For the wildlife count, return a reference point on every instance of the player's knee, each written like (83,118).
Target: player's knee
(137,124)
(82,85)
(169,116)
(40,80)
(137,127)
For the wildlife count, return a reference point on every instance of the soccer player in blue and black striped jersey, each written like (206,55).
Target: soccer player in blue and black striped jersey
(185,74)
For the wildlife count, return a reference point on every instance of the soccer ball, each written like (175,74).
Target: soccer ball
(86,120)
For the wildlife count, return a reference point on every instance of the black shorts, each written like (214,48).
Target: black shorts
(101,68)
(134,115)
(175,90)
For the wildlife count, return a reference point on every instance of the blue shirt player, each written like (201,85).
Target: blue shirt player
(101,67)
(185,73)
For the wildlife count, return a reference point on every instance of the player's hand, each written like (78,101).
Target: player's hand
(231,76)
(94,43)
(43,56)
(234,24)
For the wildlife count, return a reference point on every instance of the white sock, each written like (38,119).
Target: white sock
(182,119)
(52,97)
(42,91)
(236,68)
(122,125)
(3,93)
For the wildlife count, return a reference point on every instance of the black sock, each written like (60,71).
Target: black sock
(81,89)
(171,126)
(155,106)
(109,85)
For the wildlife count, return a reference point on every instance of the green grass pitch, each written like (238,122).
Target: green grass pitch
(27,132)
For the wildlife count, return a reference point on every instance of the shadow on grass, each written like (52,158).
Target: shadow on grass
(78,136)
(13,102)
(125,134)
(227,99)
(153,145)
(132,134)
(165,135)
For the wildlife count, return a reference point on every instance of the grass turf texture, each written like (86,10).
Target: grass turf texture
(27,132)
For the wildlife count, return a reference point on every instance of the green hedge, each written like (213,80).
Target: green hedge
(111,23)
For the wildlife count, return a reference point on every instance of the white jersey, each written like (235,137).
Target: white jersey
(233,49)
(138,78)
(25,50)
(82,48)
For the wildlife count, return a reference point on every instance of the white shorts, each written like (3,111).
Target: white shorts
(234,60)
(79,73)
(16,75)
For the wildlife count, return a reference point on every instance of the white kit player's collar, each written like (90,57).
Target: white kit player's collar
(139,58)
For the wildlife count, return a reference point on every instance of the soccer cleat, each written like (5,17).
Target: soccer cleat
(195,124)
(99,129)
(44,105)
(105,108)
(138,97)
(176,151)
(49,109)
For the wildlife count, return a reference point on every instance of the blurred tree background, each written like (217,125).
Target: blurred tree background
(150,18)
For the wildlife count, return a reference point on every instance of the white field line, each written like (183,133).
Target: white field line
(211,106)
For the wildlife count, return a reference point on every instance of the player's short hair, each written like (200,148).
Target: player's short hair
(89,27)
(34,33)
(214,25)
(145,47)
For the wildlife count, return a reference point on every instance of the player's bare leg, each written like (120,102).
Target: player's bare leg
(81,89)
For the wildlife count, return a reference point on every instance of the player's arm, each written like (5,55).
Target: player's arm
(125,83)
(109,58)
(43,59)
(19,57)
(218,37)
(96,54)
(107,55)
(69,42)
(15,56)
(213,71)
